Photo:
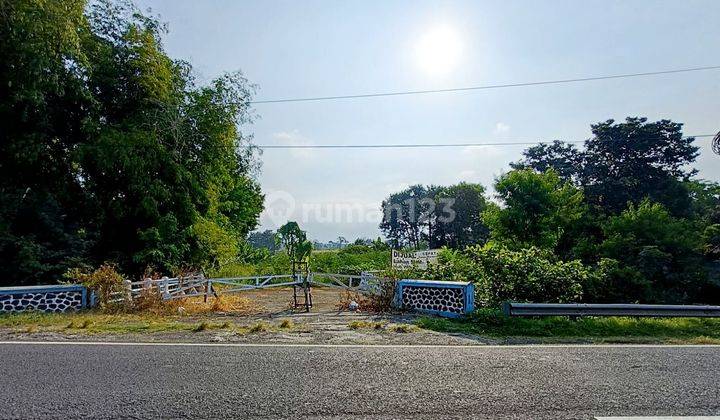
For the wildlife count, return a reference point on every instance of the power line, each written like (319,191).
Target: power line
(485,87)
(421,145)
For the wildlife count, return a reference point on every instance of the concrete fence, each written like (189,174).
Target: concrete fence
(444,298)
(45,298)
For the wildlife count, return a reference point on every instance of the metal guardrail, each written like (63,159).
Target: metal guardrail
(614,309)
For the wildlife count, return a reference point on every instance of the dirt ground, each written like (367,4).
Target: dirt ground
(326,323)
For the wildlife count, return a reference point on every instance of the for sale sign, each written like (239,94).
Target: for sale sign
(404,260)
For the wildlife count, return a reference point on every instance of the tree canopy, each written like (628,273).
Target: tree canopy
(624,163)
(435,216)
(539,209)
(111,150)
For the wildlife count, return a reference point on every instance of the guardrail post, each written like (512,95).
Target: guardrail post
(506,308)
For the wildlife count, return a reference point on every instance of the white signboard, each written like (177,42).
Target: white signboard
(413,259)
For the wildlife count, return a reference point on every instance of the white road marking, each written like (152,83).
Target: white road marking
(432,346)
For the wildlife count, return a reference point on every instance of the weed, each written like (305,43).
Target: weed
(31,329)
(225,325)
(86,323)
(403,328)
(259,327)
(71,325)
(203,326)
(286,323)
(356,325)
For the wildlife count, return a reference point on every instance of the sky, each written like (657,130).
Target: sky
(323,48)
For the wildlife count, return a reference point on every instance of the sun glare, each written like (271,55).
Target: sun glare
(438,51)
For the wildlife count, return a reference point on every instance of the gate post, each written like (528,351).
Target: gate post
(166,287)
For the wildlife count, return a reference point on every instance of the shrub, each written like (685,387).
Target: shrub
(106,282)
(661,250)
(501,274)
(379,301)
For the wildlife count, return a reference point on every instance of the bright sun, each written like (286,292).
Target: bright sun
(438,51)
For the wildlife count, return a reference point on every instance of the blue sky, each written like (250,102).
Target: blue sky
(318,48)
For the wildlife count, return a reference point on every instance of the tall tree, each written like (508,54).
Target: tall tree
(404,214)
(624,163)
(539,209)
(563,158)
(436,215)
(294,242)
(627,162)
(115,153)
(458,216)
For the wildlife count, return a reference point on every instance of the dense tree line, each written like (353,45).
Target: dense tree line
(622,220)
(435,216)
(110,151)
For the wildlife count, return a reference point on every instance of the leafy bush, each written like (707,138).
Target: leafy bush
(657,253)
(501,274)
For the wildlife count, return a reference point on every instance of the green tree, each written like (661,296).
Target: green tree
(294,242)
(539,209)
(404,216)
(563,158)
(112,152)
(458,216)
(524,275)
(435,215)
(661,249)
(264,239)
(624,162)
(627,162)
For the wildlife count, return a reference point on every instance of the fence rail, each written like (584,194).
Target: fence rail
(199,285)
(616,309)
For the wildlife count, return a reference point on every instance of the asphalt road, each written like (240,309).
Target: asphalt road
(372,382)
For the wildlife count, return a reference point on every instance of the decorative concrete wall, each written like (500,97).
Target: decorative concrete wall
(446,298)
(51,298)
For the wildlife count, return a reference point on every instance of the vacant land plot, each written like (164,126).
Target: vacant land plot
(267,316)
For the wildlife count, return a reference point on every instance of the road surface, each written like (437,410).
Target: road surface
(74,380)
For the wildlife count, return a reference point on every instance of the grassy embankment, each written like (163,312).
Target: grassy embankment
(492,323)
(187,315)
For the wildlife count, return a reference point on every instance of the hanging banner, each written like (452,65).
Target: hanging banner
(404,260)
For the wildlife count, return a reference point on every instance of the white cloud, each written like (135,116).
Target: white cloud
(294,138)
(501,128)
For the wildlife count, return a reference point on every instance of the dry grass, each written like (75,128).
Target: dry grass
(152,303)
(258,327)
(286,323)
(403,328)
(357,325)
(376,303)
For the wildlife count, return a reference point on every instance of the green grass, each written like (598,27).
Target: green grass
(492,323)
(93,322)
(98,323)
